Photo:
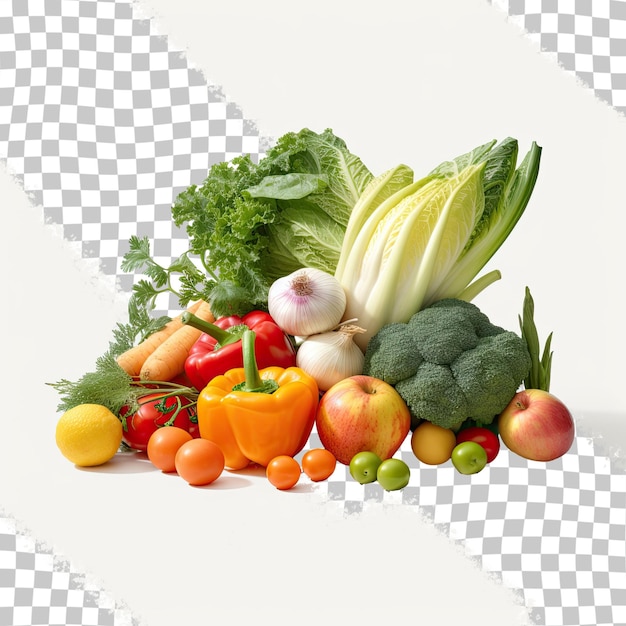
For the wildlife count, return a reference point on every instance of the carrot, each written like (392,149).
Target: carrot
(132,360)
(168,360)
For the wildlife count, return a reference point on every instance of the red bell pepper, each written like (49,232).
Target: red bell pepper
(219,348)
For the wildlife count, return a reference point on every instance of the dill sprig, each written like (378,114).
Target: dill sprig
(108,385)
(112,387)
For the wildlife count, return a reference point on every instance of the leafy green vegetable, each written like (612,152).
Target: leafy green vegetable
(427,240)
(288,186)
(507,191)
(394,183)
(249,224)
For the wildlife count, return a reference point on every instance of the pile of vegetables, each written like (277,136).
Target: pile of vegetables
(306,269)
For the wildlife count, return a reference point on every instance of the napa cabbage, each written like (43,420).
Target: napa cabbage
(411,243)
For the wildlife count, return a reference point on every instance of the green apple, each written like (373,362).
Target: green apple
(393,474)
(363,466)
(469,457)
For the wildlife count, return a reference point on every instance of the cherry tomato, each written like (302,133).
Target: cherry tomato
(283,472)
(155,412)
(482,436)
(319,464)
(164,444)
(199,461)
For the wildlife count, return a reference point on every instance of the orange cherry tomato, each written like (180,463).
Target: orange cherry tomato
(283,472)
(318,464)
(199,462)
(164,444)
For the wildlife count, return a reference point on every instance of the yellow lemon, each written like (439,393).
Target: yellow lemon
(88,434)
(432,444)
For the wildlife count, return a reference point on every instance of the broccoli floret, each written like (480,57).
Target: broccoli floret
(393,339)
(449,363)
(434,394)
(448,328)
(500,370)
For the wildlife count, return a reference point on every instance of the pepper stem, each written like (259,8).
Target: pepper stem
(253,382)
(223,337)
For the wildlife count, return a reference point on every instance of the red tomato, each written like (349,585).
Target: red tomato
(199,462)
(283,472)
(163,446)
(154,413)
(482,436)
(318,464)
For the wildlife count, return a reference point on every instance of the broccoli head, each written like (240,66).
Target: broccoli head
(449,363)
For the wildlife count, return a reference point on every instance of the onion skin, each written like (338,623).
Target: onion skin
(306,302)
(331,356)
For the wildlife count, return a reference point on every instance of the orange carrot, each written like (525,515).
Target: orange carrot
(168,360)
(132,360)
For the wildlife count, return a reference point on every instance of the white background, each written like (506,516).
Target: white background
(400,82)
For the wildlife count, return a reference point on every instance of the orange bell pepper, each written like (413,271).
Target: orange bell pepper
(255,415)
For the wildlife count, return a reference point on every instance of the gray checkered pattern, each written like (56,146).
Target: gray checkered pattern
(104,124)
(586,37)
(38,587)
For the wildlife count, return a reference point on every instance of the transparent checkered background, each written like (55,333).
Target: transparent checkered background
(103,123)
(587,38)
(38,587)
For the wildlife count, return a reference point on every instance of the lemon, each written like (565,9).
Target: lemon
(432,444)
(88,434)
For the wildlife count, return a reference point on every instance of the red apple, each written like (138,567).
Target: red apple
(536,425)
(362,413)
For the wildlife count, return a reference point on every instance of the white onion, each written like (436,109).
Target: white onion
(306,302)
(331,356)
